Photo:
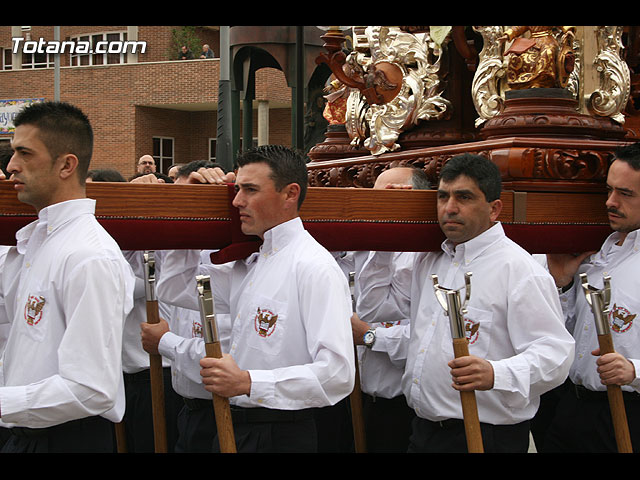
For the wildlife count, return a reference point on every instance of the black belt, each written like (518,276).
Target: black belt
(268,415)
(448,423)
(25,432)
(584,393)
(195,404)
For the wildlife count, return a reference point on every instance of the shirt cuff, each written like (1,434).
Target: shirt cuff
(167,345)
(262,387)
(635,384)
(13,401)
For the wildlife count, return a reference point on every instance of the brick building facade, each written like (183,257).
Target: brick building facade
(137,105)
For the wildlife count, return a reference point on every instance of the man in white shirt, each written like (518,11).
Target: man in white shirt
(66,290)
(179,340)
(291,349)
(518,346)
(382,346)
(583,419)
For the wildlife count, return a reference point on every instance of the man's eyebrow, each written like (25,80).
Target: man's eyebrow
(20,148)
(246,184)
(620,189)
(462,191)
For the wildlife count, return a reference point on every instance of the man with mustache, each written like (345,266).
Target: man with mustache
(66,290)
(518,346)
(584,409)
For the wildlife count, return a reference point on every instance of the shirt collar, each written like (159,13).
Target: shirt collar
(631,243)
(279,236)
(53,216)
(474,247)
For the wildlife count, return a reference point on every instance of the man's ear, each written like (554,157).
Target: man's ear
(68,165)
(292,193)
(496,209)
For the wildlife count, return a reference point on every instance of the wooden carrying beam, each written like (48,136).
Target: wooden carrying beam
(170,216)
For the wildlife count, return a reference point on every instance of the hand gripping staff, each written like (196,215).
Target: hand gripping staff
(155,360)
(450,302)
(355,399)
(599,302)
(221,408)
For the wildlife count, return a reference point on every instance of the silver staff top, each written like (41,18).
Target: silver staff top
(599,302)
(449,299)
(150,275)
(207,308)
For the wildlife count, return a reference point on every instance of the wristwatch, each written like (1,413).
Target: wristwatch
(369,338)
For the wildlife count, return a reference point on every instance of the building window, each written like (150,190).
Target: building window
(37,60)
(163,153)
(7,60)
(29,60)
(213,142)
(97,43)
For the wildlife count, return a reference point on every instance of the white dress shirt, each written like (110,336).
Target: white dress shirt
(134,357)
(514,321)
(183,345)
(66,290)
(290,311)
(382,365)
(622,264)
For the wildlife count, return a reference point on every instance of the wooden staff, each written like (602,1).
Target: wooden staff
(221,408)
(455,311)
(155,360)
(355,399)
(121,437)
(599,301)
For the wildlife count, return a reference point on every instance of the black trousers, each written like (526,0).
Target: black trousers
(583,424)
(449,437)
(138,416)
(263,430)
(335,428)
(86,435)
(196,426)
(387,423)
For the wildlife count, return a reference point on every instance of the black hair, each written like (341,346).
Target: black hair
(105,175)
(194,166)
(480,169)
(287,166)
(63,129)
(629,154)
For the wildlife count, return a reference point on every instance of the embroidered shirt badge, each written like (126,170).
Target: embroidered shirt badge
(620,319)
(265,322)
(472,330)
(33,309)
(196,330)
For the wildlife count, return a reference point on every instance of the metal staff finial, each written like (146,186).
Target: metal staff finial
(150,275)
(449,299)
(455,310)
(599,300)
(207,308)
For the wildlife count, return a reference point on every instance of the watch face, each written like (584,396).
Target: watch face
(369,337)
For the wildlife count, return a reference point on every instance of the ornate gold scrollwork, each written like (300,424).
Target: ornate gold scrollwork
(615,80)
